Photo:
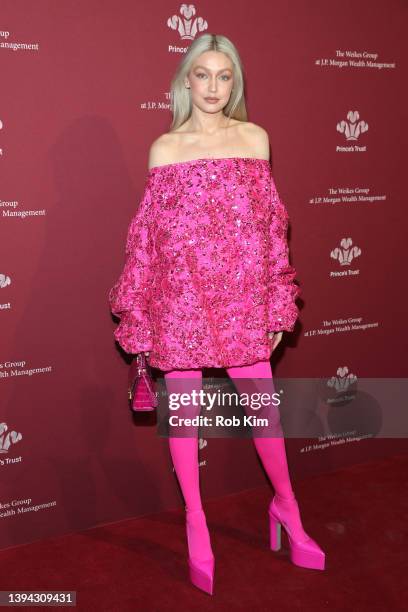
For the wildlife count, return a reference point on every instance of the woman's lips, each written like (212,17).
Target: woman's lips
(211,100)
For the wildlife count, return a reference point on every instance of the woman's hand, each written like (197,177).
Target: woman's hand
(274,339)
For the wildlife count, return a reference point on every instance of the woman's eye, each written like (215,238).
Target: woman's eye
(225,77)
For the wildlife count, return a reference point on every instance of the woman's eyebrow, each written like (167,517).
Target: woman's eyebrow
(222,70)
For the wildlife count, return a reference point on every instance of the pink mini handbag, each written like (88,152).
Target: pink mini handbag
(142,394)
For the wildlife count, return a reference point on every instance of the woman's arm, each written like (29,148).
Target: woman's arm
(283,291)
(129,297)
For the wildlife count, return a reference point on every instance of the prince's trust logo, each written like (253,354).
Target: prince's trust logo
(7,439)
(345,254)
(342,381)
(185,25)
(4,281)
(352,128)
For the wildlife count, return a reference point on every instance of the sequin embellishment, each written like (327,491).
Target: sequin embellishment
(207,271)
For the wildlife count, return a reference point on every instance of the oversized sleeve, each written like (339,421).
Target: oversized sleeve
(282,310)
(129,297)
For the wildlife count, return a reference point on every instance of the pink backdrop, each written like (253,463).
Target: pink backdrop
(85,90)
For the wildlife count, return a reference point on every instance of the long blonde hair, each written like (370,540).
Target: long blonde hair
(180,96)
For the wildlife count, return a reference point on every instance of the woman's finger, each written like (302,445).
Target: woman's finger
(271,336)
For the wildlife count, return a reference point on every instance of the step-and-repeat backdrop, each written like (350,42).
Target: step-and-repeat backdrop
(84,92)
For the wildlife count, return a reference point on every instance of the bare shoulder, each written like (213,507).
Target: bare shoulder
(162,150)
(257,137)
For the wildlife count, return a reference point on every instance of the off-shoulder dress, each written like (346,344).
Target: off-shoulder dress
(206,274)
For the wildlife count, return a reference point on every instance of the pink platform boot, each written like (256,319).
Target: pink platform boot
(201,559)
(304,551)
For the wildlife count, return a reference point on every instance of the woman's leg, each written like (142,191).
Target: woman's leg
(184,450)
(183,445)
(271,450)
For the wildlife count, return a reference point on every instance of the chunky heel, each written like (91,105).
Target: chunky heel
(304,552)
(275,533)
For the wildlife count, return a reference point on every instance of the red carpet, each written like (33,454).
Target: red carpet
(358,515)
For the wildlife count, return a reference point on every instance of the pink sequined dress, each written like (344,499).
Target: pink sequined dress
(207,272)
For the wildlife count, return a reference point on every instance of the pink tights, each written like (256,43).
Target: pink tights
(184,451)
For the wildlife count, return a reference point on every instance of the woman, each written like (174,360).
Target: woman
(207,280)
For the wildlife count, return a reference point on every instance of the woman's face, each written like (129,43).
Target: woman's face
(211,81)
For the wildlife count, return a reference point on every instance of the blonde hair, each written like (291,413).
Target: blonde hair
(180,96)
